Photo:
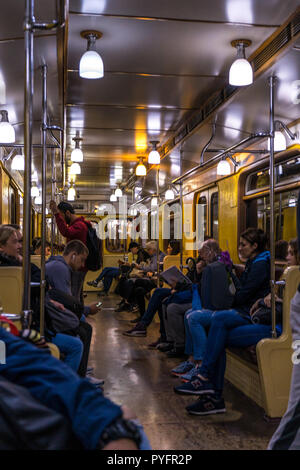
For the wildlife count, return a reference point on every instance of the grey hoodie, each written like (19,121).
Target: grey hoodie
(59,275)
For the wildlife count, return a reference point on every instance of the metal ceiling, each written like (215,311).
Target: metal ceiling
(162,61)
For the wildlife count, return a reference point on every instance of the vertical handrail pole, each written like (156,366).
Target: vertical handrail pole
(272,81)
(181,212)
(157,225)
(28,110)
(44,183)
(53,191)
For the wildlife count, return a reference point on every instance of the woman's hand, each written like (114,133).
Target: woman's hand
(57,305)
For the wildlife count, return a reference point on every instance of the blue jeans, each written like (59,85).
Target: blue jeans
(227,329)
(71,347)
(108,274)
(155,305)
(195,323)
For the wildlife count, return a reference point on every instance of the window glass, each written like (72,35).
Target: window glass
(258,214)
(214,201)
(288,171)
(115,243)
(201,219)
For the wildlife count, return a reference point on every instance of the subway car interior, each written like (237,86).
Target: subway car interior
(149,187)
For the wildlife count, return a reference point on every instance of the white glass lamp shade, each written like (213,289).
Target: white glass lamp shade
(75,169)
(35,191)
(223,168)
(18,163)
(154,157)
(38,201)
(7,133)
(141,170)
(292,200)
(71,194)
(169,195)
(77,155)
(118,192)
(279,142)
(240,73)
(113,198)
(154,202)
(91,65)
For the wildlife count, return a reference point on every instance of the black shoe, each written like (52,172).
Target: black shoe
(122,307)
(176,352)
(207,405)
(138,330)
(136,320)
(165,347)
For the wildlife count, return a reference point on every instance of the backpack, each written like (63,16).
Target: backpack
(215,287)
(93,243)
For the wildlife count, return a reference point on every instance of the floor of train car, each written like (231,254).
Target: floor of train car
(140,378)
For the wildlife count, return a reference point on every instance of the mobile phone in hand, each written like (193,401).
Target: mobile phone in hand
(98,304)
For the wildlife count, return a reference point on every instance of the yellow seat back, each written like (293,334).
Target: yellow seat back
(36,259)
(171,260)
(11,288)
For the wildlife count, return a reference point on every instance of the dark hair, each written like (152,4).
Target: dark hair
(38,243)
(76,246)
(15,226)
(133,245)
(256,235)
(281,247)
(175,245)
(65,206)
(294,244)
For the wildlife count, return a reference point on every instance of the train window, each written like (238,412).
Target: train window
(115,243)
(214,211)
(172,222)
(285,172)
(258,214)
(288,171)
(201,218)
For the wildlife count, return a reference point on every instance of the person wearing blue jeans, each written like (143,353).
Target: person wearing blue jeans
(228,328)
(96,422)
(107,276)
(71,347)
(154,306)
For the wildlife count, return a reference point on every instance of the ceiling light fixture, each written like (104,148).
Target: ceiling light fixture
(71,194)
(18,163)
(279,138)
(113,198)
(169,194)
(75,169)
(154,157)
(154,201)
(241,73)
(118,192)
(7,132)
(141,170)
(38,201)
(91,64)
(35,192)
(77,155)
(223,168)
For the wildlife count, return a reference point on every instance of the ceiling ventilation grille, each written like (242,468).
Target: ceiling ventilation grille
(282,39)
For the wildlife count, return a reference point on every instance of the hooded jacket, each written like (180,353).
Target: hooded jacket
(77,230)
(59,276)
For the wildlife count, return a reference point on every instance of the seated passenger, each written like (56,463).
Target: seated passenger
(59,276)
(37,249)
(232,327)
(253,284)
(174,321)
(108,274)
(139,287)
(10,248)
(95,421)
(155,306)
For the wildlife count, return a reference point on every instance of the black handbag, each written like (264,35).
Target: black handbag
(27,424)
(60,321)
(263,315)
(68,301)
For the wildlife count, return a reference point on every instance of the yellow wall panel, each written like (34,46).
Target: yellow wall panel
(228,215)
(5,199)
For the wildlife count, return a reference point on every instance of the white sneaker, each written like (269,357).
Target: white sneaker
(94,380)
